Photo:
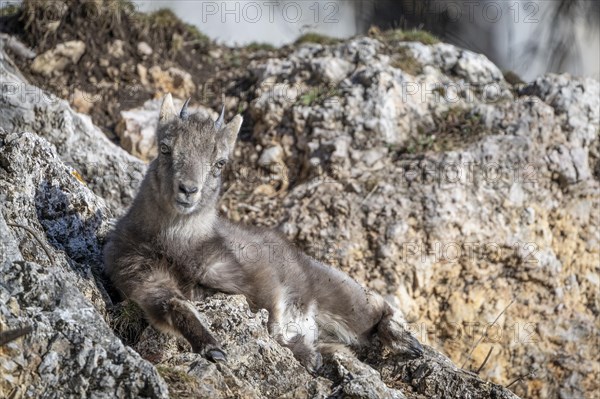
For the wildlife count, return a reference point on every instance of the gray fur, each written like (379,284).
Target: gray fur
(171,247)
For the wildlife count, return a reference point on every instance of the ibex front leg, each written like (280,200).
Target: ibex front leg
(168,310)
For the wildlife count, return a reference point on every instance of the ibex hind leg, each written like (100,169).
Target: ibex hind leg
(394,335)
(168,310)
(296,330)
(304,351)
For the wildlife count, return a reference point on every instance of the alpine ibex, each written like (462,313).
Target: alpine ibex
(171,247)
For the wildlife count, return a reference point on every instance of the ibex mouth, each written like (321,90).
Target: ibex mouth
(184,207)
(184,204)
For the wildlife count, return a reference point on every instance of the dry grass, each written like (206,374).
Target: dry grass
(318,38)
(181,384)
(454,129)
(127,320)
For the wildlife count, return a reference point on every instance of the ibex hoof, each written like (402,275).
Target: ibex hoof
(317,364)
(398,339)
(313,362)
(216,355)
(408,346)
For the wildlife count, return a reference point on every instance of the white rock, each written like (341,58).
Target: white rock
(332,69)
(56,60)
(271,155)
(477,68)
(144,49)
(115,49)
(137,127)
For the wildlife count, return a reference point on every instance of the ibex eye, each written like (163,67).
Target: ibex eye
(165,149)
(220,163)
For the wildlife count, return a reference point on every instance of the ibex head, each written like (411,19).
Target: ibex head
(192,153)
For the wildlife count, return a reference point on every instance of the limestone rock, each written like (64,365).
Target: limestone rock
(175,81)
(50,285)
(332,70)
(137,127)
(82,101)
(54,61)
(108,170)
(16,46)
(270,156)
(144,49)
(115,49)
(507,212)
(472,206)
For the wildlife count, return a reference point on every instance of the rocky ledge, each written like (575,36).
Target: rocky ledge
(471,203)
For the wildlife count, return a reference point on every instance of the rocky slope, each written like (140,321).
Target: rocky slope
(52,229)
(453,192)
(471,203)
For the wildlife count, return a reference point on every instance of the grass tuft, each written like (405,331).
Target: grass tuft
(127,320)
(181,384)
(403,59)
(318,38)
(413,35)
(256,46)
(454,129)
(317,95)
(9,10)
(163,25)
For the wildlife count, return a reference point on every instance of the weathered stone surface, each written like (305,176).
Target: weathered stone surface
(16,46)
(144,49)
(173,80)
(109,170)
(55,285)
(71,351)
(257,366)
(115,49)
(453,229)
(56,60)
(415,168)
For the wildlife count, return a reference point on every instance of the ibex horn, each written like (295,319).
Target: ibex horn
(219,122)
(184,110)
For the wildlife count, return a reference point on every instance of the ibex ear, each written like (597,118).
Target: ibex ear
(228,135)
(167,110)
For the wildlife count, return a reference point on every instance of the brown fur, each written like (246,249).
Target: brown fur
(171,247)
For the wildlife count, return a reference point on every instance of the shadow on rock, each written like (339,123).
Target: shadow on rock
(74,227)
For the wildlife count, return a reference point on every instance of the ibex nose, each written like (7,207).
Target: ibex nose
(187,189)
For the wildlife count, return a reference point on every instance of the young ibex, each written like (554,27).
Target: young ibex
(171,247)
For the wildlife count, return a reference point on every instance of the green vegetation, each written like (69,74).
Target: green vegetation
(181,384)
(196,34)
(164,24)
(171,374)
(413,35)
(312,37)
(441,90)
(455,128)
(512,78)
(421,143)
(45,22)
(127,320)
(403,59)
(9,10)
(256,46)
(309,97)
(317,95)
